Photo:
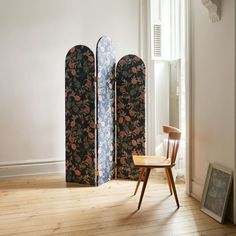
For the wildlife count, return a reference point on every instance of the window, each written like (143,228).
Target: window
(167,46)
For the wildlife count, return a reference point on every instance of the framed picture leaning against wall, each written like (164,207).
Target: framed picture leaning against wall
(216,191)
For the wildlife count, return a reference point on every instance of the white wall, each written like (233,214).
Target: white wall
(34,39)
(213,90)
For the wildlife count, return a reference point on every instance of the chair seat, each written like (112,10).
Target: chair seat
(152,161)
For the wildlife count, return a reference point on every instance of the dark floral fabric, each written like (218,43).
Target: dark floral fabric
(105,65)
(80,115)
(130,114)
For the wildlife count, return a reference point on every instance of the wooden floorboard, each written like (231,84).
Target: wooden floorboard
(46,205)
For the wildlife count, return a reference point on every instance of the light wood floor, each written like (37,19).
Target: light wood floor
(47,206)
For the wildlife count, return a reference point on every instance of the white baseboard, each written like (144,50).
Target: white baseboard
(197,189)
(34,168)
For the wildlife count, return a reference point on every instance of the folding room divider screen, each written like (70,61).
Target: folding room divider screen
(105,114)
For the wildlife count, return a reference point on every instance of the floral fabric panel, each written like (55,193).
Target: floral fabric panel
(80,115)
(105,109)
(130,74)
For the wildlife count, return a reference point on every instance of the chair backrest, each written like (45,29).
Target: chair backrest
(174,136)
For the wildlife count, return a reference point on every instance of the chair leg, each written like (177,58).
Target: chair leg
(168,180)
(139,180)
(144,186)
(173,186)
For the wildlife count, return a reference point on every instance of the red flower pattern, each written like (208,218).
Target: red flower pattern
(80,131)
(131,108)
(80,116)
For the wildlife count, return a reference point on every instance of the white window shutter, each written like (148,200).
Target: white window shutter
(156,41)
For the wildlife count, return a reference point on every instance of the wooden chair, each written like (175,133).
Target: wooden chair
(146,163)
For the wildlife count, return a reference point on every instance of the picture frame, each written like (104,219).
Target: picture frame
(216,191)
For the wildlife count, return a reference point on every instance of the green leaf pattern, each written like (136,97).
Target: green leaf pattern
(80,115)
(130,114)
